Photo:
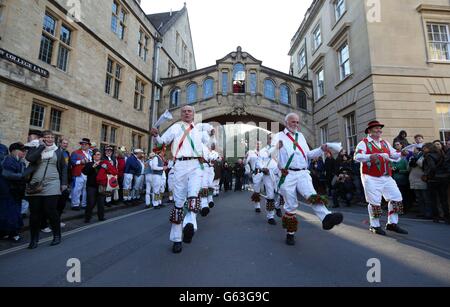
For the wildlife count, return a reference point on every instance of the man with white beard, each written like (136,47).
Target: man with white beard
(293,157)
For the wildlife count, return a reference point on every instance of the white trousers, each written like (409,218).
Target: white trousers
(156,188)
(79,190)
(300,182)
(148,189)
(206,176)
(187,182)
(260,180)
(138,185)
(162,188)
(127,182)
(374,189)
(216,187)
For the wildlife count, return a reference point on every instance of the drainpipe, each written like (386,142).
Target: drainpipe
(155,77)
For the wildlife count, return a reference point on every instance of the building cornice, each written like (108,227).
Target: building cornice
(317,61)
(342,31)
(433,8)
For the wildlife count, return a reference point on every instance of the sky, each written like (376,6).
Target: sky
(263,28)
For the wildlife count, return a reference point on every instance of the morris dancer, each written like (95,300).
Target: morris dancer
(186,150)
(293,157)
(375,155)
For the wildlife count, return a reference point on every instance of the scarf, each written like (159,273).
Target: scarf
(48,152)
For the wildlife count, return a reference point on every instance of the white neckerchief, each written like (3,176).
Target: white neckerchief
(48,152)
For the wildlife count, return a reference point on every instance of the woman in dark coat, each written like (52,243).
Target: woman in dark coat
(49,168)
(12,191)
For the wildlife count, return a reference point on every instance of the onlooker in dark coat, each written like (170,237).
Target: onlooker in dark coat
(343,187)
(239,171)
(120,156)
(317,169)
(94,198)
(330,170)
(401,138)
(64,144)
(436,177)
(400,175)
(12,191)
(417,185)
(49,168)
(227,176)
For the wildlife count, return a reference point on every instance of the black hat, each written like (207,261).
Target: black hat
(109,148)
(16,146)
(85,140)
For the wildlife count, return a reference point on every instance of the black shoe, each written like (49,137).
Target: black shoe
(177,247)
(271,221)
(377,230)
(76,209)
(56,240)
(278,212)
(211,204)
(290,240)
(205,211)
(257,210)
(109,205)
(332,220)
(33,244)
(396,228)
(87,221)
(101,219)
(188,233)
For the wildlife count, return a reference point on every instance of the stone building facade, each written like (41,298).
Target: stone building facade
(384,60)
(81,69)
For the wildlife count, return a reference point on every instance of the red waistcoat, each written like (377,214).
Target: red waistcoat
(380,166)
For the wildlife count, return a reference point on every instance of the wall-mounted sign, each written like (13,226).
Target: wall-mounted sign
(24,63)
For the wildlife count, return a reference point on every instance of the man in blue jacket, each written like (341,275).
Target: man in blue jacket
(133,170)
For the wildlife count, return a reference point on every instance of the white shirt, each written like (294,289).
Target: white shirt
(253,158)
(298,161)
(360,152)
(175,133)
(265,154)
